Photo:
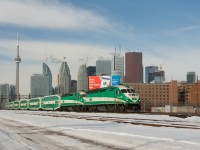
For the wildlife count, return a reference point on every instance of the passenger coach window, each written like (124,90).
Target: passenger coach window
(117,92)
(104,90)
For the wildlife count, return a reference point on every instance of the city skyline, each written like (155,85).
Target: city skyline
(166,32)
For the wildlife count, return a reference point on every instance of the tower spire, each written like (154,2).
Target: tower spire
(17,39)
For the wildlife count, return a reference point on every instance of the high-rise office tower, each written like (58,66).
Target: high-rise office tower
(39,85)
(17,61)
(56,90)
(73,86)
(91,70)
(82,80)
(159,76)
(4,94)
(149,70)
(191,77)
(117,65)
(12,92)
(103,67)
(47,72)
(133,67)
(64,79)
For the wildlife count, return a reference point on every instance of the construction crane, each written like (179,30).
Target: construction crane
(161,71)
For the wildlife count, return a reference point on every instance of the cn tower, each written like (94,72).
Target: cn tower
(17,61)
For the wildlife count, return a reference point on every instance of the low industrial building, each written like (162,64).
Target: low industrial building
(158,95)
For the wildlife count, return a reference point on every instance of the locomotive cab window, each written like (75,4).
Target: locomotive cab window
(129,90)
(124,90)
(133,91)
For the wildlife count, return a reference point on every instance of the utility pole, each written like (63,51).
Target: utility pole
(197,96)
(161,73)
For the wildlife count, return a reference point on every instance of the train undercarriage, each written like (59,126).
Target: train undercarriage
(119,108)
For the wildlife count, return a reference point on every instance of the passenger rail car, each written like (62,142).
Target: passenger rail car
(16,104)
(73,101)
(35,104)
(50,102)
(24,104)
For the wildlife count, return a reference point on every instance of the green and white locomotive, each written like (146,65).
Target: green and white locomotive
(113,99)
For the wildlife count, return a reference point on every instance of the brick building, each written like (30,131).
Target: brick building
(156,94)
(188,94)
(133,67)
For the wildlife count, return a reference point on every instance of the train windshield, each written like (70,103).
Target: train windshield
(128,91)
(133,91)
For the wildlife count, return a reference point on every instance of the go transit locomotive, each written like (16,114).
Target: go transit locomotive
(121,98)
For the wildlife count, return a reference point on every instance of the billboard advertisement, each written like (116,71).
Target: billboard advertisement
(105,81)
(95,82)
(115,80)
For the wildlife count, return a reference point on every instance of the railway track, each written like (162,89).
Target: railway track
(128,120)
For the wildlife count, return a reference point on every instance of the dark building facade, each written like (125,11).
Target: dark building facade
(73,86)
(82,78)
(149,73)
(91,70)
(133,67)
(191,77)
(12,92)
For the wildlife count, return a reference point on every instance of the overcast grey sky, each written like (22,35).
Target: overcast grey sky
(166,32)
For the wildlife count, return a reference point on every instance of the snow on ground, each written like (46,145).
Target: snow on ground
(21,130)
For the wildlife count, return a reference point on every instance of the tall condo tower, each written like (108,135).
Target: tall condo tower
(154,75)
(133,67)
(17,61)
(117,66)
(82,81)
(39,85)
(191,77)
(64,79)
(149,76)
(47,72)
(103,67)
(4,94)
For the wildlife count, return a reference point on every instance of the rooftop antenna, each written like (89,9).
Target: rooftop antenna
(17,39)
(161,71)
(45,59)
(120,49)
